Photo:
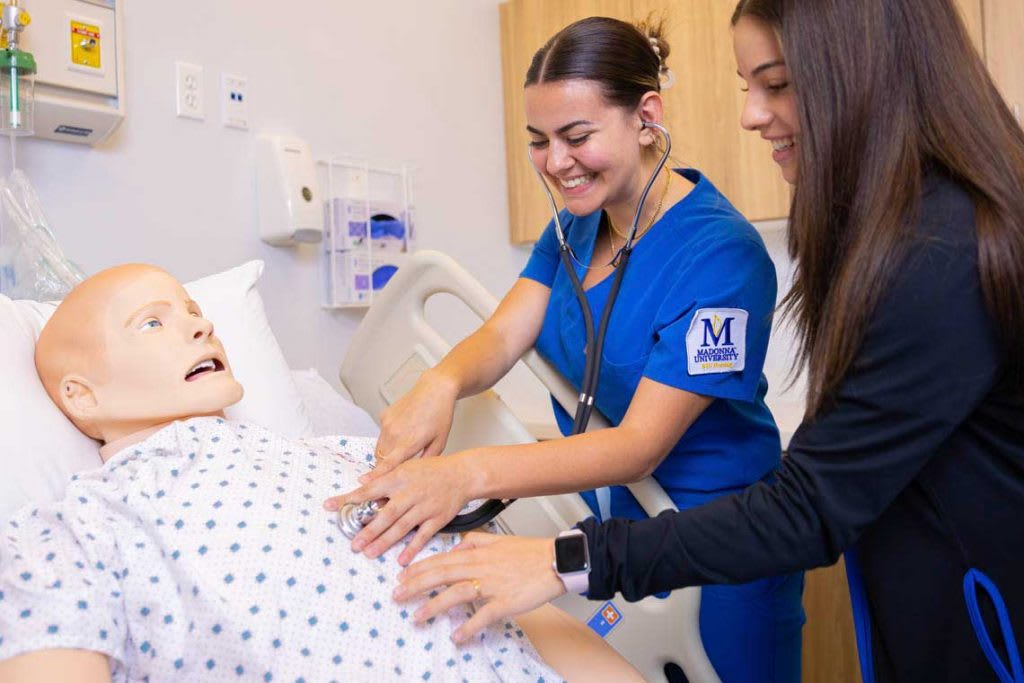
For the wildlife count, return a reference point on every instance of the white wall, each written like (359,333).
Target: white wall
(785,393)
(394,81)
(391,81)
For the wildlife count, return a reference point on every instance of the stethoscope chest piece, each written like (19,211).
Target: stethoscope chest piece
(352,517)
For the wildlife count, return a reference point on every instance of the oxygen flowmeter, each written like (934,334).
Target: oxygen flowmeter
(17,69)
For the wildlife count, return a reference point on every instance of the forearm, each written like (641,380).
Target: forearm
(42,666)
(657,418)
(475,364)
(766,530)
(484,357)
(572,649)
(603,458)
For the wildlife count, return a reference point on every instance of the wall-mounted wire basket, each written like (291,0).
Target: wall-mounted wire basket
(369,230)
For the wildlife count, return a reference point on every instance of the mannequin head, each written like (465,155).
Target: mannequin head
(128,350)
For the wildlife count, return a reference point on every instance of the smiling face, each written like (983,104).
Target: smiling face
(771,106)
(133,351)
(589,150)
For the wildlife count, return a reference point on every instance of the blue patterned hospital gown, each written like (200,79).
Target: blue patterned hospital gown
(203,553)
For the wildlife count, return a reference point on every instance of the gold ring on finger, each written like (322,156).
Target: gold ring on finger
(476,589)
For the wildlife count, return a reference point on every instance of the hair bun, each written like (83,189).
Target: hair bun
(653,30)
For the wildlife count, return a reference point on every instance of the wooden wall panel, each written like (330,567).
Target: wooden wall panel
(971,12)
(830,646)
(1004,50)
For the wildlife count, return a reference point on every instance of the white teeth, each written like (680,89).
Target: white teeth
(576,182)
(781,144)
(205,365)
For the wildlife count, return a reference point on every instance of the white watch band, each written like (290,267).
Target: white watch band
(577,582)
(574,582)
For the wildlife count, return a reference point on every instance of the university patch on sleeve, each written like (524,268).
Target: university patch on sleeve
(717,341)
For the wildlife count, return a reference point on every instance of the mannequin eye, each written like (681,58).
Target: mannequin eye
(150,323)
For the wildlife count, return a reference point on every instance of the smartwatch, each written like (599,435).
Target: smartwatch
(572,561)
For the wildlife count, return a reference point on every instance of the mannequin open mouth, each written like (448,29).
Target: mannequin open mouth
(202,368)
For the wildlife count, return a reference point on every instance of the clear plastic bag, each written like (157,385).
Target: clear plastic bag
(32,264)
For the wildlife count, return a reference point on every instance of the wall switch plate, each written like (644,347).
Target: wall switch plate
(189,89)
(234,92)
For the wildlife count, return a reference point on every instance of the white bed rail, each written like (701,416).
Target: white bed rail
(395,344)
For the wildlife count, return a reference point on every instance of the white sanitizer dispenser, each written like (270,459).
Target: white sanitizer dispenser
(289,205)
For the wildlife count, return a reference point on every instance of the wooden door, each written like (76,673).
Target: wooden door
(971,12)
(830,646)
(1004,50)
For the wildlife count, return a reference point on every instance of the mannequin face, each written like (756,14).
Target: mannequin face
(143,355)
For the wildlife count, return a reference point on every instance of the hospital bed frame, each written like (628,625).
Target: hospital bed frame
(395,344)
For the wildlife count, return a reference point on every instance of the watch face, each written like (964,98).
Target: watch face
(571,554)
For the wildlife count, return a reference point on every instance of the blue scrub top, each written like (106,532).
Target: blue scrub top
(698,277)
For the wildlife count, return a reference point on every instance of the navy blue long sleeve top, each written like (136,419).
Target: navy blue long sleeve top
(919,462)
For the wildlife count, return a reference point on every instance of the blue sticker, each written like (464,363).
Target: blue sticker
(605,619)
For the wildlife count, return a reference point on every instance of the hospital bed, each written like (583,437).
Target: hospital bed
(396,343)
(391,348)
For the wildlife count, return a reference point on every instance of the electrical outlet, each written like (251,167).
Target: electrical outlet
(234,93)
(189,89)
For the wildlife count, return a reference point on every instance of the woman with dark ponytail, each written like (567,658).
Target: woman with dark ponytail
(907,228)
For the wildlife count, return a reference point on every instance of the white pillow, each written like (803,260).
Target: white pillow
(330,411)
(40,449)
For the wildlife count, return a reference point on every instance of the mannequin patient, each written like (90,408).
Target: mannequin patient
(199,550)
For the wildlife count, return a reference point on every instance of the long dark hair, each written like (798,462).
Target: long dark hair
(617,55)
(886,88)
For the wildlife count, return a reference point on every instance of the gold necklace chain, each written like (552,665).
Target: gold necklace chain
(657,212)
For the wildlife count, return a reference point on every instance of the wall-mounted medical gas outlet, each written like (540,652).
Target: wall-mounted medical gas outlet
(234,101)
(79,82)
(188,88)
(288,199)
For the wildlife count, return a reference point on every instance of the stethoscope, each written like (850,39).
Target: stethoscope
(352,517)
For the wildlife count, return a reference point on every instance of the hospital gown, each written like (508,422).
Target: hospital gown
(203,553)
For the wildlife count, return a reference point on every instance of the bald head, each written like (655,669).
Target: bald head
(129,350)
(73,342)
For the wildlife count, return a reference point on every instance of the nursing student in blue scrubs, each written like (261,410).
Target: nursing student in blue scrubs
(681,373)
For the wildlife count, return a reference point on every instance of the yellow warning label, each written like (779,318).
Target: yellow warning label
(85,44)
